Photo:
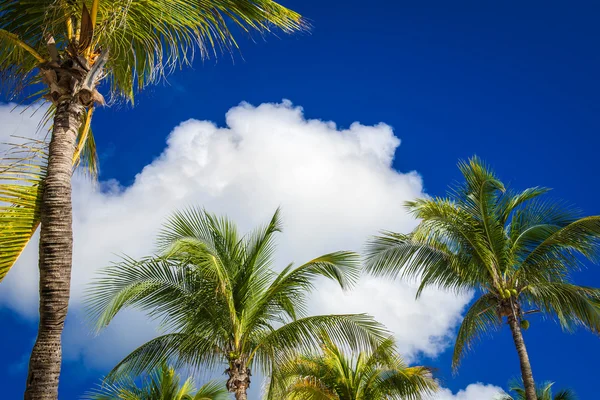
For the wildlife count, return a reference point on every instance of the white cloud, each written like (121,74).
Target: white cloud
(475,391)
(336,187)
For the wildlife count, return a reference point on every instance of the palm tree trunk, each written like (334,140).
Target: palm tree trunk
(526,373)
(55,254)
(239,378)
(240,393)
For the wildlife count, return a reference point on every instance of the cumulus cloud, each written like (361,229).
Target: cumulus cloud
(336,187)
(475,391)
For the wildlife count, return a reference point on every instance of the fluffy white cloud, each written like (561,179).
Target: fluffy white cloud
(475,391)
(336,187)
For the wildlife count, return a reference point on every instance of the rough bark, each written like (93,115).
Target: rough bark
(239,379)
(526,373)
(55,254)
(240,393)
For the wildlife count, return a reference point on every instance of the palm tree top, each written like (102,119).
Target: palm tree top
(146,39)
(334,374)
(218,295)
(516,250)
(163,383)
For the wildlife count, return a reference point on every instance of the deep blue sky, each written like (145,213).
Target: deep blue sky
(513,82)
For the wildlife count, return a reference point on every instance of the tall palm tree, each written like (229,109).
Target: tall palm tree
(543,392)
(220,301)
(60,50)
(516,251)
(161,384)
(331,374)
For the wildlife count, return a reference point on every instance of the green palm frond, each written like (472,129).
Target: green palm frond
(18,61)
(572,305)
(398,255)
(358,331)
(479,197)
(151,284)
(178,349)
(510,201)
(21,189)
(543,392)
(163,383)
(481,317)
(565,394)
(331,373)
(86,157)
(579,237)
(147,39)
(212,390)
(288,291)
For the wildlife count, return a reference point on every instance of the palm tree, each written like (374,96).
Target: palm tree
(515,251)
(379,374)
(161,384)
(543,392)
(60,50)
(216,294)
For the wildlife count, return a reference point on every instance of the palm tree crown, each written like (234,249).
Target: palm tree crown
(143,39)
(543,392)
(216,294)
(516,251)
(379,374)
(161,384)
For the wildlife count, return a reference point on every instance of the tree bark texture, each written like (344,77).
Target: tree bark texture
(55,254)
(526,373)
(239,379)
(240,393)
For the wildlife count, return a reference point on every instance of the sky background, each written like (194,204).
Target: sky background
(516,84)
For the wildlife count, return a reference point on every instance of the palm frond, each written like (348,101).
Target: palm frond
(510,201)
(287,294)
(412,383)
(393,255)
(85,155)
(149,39)
(565,394)
(481,317)
(331,373)
(458,226)
(253,274)
(22,174)
(152,284)
(358,331)
(543,392)
(177,349)
(212,390)
(580,237)
(161,383)
(480,196)
(18,61)
(572,305)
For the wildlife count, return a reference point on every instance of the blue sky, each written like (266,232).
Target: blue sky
(517,84)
